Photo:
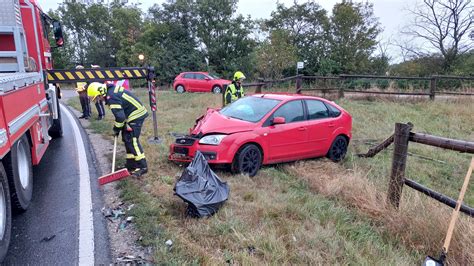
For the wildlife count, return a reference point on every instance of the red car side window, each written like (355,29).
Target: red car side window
(291,111)
(316,109)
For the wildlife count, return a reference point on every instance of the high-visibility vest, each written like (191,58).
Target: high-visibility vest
(232,93)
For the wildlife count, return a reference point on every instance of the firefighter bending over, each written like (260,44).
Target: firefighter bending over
(129,115)
(234,91)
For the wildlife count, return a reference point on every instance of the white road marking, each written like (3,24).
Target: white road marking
(86,223)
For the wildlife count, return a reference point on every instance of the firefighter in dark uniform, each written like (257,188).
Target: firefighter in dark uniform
(129,115)
(234,91)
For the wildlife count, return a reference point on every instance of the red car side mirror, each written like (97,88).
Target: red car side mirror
(278,120)
(207,78)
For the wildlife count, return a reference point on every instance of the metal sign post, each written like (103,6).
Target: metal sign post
(299,65)
(152,94)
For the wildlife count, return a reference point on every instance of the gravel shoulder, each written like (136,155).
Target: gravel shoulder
(122,235)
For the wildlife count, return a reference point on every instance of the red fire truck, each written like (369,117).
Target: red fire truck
(29,107)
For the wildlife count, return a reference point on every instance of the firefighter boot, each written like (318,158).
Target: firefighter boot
(141,169)
(130,165)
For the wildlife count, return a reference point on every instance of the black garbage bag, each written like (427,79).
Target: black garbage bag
(201,188)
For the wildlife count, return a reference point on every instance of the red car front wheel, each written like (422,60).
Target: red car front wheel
(247,160)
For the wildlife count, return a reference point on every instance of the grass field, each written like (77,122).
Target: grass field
(312,211)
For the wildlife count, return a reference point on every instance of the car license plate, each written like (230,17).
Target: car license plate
(181,151)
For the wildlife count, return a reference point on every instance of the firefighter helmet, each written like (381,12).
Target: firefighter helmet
(239,75)
(96,89)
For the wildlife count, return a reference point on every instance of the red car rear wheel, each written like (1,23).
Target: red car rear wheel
(338,149)
(216,89)
(180,89)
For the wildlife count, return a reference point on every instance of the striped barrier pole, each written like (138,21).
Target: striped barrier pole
(152,96)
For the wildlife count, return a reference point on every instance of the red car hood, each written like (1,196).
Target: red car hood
(214,122)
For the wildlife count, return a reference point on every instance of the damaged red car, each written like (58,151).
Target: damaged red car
(267,129)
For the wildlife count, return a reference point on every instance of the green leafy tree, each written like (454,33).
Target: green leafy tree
(100,34)
(275,55)
(127,25)
(421,66)
(307,24)
(353,33)
(169,40)
(60,55)
(224,36)
(73,17)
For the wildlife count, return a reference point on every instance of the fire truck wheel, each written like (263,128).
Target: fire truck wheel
(56,130)
(20,174)
(5,214)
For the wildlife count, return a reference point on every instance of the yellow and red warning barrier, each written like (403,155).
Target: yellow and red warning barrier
(95,74)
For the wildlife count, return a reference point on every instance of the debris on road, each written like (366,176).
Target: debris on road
(118,212)
(107,212)
(48,238)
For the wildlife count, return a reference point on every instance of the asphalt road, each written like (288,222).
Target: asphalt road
(49,232)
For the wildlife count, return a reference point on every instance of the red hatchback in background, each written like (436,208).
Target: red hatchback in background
(266,129)
(199,82)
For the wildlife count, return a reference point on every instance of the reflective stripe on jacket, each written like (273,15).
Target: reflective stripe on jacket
(232,93)
(81,87)
(125,106)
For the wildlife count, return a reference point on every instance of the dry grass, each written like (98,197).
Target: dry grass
(419,224)
(314,211)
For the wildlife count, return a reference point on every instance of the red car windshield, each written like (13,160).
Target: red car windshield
(251,109)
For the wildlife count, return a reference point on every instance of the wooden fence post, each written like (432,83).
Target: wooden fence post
(298,84)
(432,88)
(325,87)
(400,154)
(341,88)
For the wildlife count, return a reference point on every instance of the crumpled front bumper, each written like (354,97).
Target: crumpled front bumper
(184,150)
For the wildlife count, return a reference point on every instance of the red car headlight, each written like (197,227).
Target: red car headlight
(212,139)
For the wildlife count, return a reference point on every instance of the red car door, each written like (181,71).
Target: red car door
(188,81)
(201,83)
(320,127)
(288,141)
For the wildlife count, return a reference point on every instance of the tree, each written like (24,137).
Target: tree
(307,26)
(353,33)
(422,66)
(61,55)
(444,25)
(127,25)
(169,40)
(275,54)
(73,17)
(224,36)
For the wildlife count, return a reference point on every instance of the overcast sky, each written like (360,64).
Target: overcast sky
(392,14)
